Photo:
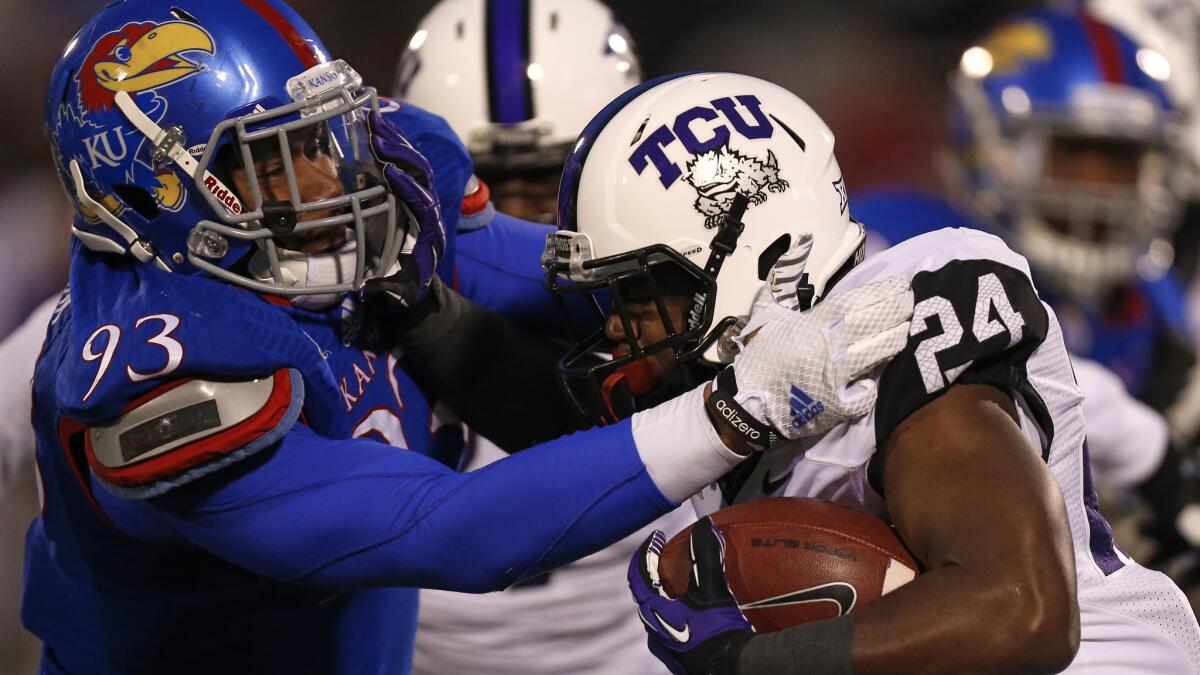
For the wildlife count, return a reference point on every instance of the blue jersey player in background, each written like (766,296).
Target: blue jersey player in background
(239,470)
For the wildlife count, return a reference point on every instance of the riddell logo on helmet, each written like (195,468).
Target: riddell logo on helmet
(223,195)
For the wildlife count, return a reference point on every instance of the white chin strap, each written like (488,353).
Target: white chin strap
(170,147)
(310,271)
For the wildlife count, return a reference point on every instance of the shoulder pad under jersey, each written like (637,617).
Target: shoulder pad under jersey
(930,252)
(190,428)
(134,329)
(432,137)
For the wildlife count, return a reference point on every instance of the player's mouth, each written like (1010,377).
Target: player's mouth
(316,242)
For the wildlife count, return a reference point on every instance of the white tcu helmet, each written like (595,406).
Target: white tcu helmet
(717,172)
(517,79)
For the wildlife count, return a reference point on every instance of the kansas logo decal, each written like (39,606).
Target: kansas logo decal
(1015,45)
(140,57)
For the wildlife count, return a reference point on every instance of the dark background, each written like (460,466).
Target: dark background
(873,69)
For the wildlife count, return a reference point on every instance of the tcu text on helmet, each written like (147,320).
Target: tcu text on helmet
(701,129)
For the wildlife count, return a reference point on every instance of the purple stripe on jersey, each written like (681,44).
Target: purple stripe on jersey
(1100,538)
(509,89)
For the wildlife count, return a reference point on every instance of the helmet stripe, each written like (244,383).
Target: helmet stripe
(510,91)
(301,48)
(1106,48)
(568,190)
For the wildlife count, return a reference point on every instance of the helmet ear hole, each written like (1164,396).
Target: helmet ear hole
(770,256)
(142,202)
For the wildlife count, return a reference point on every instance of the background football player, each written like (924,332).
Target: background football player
(517,85)
(980,409)
(1067,145)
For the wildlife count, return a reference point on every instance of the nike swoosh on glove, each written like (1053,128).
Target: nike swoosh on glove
(703,631)
(410,177)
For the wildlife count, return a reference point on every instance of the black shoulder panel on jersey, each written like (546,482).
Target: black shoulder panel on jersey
(974,322)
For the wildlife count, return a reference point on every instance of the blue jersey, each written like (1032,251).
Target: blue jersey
(1126,338)
(289,537)
(499,267)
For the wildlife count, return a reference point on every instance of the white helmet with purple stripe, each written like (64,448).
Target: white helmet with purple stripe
(713,175)
(517,79)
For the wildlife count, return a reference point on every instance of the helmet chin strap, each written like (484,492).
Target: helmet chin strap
(723,244)
(725,241)
(168,144)
(133,244)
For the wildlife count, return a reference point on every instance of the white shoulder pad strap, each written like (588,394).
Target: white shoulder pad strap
(191,428)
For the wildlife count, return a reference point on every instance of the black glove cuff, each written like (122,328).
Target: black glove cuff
(722,406)
(390,316)
(726,661)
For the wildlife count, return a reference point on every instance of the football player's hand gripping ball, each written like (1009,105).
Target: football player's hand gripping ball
(702,631)
(805,372)
(410,177)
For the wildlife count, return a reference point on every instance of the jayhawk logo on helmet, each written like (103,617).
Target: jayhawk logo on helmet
(140,57)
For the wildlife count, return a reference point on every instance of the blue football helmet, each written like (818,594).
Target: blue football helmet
(218,137)
(1065,142)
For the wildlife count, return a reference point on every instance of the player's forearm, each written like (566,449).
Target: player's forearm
(950,620)
(374,515)
(497,378)
(975,503)
(1011,624)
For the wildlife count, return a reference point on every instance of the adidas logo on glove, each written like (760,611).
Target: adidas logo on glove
(804,409)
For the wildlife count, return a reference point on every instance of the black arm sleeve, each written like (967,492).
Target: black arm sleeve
(499,379)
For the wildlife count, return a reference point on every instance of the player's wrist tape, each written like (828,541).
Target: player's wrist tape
(680,447)
(821,647)
(723,406)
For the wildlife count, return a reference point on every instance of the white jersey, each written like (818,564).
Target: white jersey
(18,354)
(577,619)
(1127,439)
(978,319)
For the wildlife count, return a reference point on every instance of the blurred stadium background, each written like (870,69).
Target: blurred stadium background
(874,69)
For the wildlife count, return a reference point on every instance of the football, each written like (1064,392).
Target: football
(792,561)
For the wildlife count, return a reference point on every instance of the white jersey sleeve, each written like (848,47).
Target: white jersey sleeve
(18,355)
(1126,437)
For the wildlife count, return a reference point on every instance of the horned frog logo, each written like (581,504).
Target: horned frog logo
(720,174)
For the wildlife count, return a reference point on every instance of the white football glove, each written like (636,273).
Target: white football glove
(803,373)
